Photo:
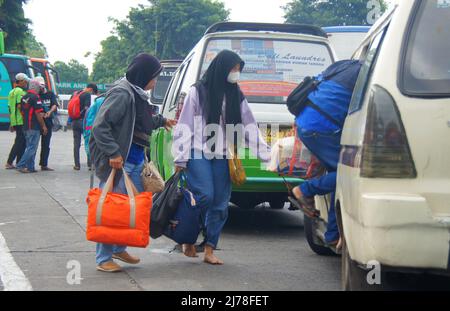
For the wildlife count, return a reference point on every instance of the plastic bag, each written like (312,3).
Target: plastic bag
(291,158)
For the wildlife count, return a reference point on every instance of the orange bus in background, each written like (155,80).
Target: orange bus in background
(46,70)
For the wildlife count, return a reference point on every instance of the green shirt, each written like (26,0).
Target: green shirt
(14,99)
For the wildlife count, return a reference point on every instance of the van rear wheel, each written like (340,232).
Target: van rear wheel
(354,278)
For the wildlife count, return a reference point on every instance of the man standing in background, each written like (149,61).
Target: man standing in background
(33,125)
(77,124)
(50,106)
(16,119)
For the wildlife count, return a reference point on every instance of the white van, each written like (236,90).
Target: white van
(393,188)
(346,39)
(278,57)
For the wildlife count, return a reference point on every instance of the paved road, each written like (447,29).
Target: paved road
(42,219)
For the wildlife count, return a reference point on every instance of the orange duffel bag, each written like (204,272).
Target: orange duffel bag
(119,219)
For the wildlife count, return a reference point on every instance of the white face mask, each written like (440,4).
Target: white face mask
(234,77)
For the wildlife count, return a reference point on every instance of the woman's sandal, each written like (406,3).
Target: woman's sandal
(303,206)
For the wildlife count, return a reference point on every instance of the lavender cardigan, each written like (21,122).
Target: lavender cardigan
(191,133)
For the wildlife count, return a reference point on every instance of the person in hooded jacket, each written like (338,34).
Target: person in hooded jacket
(216,100)
(119,137)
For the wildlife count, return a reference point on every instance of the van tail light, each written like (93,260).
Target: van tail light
(386,152)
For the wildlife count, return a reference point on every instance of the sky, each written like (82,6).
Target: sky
(70,29)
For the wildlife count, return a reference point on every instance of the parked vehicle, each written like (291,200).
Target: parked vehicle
(10,66)
(46,70)
(159,92)
(346,39)
(278,57)
(393,188)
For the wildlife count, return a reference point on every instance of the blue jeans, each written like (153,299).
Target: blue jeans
(105,252)
(326,147)
(209,181)
(32,142)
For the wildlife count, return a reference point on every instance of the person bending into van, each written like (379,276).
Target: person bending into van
(77,124)
(218,101)
(34,125)
(16,119)
(320,127)
(119,136)
(50,106)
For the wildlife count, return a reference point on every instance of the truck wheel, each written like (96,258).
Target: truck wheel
(309,228)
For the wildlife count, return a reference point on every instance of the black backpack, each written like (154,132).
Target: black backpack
(298,99)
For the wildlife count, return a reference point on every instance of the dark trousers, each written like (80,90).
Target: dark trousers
(45,147)
(326,147)
(77,128)
(19,146)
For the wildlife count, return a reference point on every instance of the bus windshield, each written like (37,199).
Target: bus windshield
(273,67)
(14,66)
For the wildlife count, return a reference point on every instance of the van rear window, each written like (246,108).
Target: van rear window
(427,67)
(162,85)
(273,68)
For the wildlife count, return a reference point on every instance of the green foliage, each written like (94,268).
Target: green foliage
(167,29)
(14,24)
(331,12)
(74,71)
(35,48)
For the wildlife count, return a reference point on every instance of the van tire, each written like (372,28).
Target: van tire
(309,233)
(277,203)
(353,277)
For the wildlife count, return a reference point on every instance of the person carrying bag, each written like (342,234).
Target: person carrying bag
(118,140)
(215,101)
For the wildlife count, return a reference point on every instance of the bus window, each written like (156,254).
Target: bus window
(14,66)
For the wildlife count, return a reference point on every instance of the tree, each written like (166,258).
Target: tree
(74,71)
(14,24)
(167,29)
(333,12)
(35,48)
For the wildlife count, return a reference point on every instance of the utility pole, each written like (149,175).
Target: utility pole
(156,36)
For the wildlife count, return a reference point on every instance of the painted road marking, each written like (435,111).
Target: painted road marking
(8,188)
(11,276)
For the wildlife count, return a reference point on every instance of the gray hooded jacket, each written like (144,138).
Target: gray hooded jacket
(112,132)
